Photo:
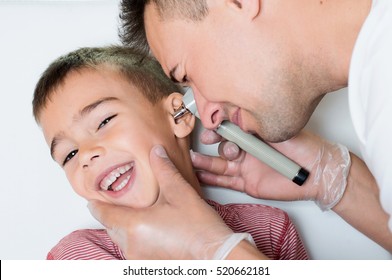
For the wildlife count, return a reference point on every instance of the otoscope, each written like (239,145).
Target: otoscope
(249,143)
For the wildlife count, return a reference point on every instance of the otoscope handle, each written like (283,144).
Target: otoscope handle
(263,152)
(253,145)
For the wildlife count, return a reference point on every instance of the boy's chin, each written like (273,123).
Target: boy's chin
(137,205)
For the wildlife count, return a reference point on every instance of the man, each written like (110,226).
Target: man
(265,65)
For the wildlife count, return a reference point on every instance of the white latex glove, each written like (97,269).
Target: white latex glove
(327,163)
(180,225)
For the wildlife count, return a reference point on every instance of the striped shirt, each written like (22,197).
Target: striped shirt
(271,228)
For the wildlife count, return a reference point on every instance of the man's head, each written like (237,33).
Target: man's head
(132,32)
(264,65)
(101,111)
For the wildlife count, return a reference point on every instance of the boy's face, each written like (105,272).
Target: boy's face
(101,129)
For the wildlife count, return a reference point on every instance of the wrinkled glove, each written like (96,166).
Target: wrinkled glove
(328,164)
(180,225)
(330,168)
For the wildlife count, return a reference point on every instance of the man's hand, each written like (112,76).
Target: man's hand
(235,169)
(180,225)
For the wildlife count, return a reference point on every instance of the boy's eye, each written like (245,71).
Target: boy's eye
(105,121)
(70,156)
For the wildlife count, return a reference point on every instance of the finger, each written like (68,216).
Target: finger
(229,182)
(209,137)
(172,185)
(229,150)
(211,164)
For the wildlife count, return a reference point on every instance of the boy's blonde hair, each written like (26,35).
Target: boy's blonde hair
(144,72)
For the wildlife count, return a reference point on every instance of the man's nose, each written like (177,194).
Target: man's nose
(211,113)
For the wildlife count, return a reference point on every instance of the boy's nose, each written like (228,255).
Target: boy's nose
(88,156)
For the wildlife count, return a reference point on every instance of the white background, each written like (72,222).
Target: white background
(38,207)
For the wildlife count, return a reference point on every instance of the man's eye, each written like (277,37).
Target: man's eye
(70,156)
(105,121)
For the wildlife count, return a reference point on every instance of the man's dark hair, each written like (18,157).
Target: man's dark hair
(132,30)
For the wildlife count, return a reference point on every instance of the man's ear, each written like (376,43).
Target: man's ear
(250,8)
(181,127)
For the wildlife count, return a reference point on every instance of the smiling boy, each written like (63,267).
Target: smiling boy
(101,111)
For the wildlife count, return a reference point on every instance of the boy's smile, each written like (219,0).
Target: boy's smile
(116,179)
(100,129)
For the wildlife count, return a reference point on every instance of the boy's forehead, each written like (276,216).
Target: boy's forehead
(79,93)
(83,91)
(89,85)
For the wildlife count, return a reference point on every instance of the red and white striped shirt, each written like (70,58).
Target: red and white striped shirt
(271,228)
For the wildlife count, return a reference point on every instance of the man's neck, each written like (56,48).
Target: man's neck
(340,22)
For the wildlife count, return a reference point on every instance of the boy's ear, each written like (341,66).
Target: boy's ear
(249,8)
(183,126)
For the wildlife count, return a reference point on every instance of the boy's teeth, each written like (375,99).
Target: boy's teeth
(122,185)
(112,178)
(106,183)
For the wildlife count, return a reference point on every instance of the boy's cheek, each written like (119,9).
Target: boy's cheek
(90,194)
(80,187)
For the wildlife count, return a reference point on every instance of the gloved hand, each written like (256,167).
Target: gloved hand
(328,164)
(180,225)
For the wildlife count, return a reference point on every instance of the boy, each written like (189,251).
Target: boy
(101,111)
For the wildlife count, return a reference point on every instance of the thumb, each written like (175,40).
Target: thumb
(229,150)
(171,182)
(209,137)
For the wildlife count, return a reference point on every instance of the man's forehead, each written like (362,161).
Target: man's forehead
(151,14)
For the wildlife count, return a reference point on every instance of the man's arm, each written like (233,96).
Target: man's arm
(360,205)
(350,190)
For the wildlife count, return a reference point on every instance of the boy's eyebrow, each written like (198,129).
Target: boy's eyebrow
(89,108)
(85,111)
